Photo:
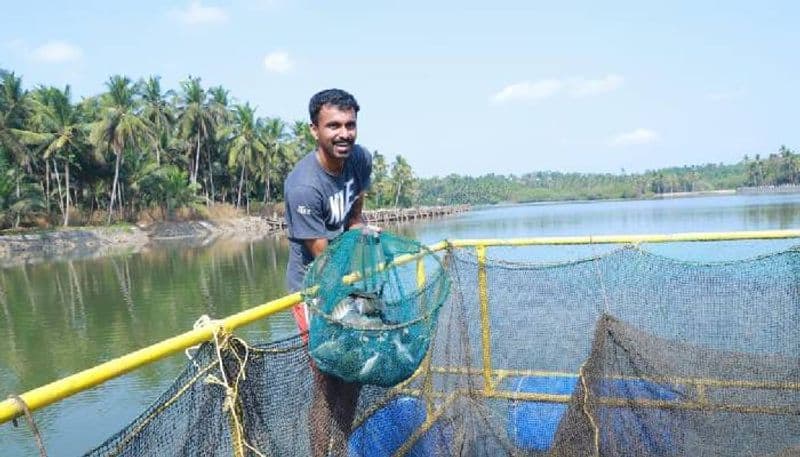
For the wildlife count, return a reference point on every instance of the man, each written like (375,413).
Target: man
(324,196)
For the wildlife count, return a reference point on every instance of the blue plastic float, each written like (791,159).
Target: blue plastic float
(382,434)
(532,425)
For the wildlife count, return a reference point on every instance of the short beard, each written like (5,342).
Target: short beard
(340,155)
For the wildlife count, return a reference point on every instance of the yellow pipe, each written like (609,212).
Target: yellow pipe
(617,401)
(628,239)
(78,382)
(483,294)
(708,382)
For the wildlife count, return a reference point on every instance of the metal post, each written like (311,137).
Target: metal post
(483,294)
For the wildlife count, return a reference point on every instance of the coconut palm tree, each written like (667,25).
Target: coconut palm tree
(272,133)
(195,122)
(403,180)
(245,144)
(61,126)
(158,112)
(303,137)
(14,108)
(120,126)
(381,186)
(219,105)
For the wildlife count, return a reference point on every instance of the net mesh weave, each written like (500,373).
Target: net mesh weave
(628,353)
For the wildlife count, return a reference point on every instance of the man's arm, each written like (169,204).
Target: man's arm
(356,219)
(316,246)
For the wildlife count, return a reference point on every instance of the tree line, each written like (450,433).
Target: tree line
(138,148)
(780,168)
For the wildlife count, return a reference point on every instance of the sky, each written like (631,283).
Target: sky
(458,86)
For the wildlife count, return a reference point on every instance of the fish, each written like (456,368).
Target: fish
(402,349)
(360,310)
(369,365)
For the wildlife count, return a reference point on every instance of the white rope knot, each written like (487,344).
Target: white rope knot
(203,321)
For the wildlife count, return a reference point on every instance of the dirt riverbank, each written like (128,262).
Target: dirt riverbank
(84,242)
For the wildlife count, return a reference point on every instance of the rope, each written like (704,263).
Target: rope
(600,276)
(585,408)
(223,342)
(31,423)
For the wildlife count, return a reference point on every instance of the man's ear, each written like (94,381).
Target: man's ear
(314,131)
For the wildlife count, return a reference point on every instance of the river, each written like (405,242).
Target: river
(61,317)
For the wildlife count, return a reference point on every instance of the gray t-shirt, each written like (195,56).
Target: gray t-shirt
(318,205)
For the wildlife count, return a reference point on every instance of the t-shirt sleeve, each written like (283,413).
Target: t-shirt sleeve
(304,208)
(366,168)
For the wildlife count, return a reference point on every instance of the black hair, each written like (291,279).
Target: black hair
(336,97)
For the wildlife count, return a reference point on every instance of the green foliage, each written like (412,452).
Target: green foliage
(381,193)
(778,169)
(403,183)
(167,187)
(781,168)
(18,197)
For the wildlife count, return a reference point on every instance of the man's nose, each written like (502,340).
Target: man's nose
(345,132)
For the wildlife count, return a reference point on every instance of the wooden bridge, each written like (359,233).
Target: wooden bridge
(391,215)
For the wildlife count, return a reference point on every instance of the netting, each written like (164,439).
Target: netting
(627,353)
(372,317)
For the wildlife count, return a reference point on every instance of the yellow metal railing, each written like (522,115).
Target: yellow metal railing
(84,380)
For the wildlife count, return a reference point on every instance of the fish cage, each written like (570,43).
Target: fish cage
(622,352)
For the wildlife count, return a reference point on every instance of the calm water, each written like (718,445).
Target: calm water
(61,317)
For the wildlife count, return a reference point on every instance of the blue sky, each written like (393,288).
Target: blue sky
(458,87)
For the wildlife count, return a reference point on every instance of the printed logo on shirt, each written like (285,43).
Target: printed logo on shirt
(304,210)
(341,202)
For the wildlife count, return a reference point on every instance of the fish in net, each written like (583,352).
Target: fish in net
(374,299)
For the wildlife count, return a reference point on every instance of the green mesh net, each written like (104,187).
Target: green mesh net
(623,354)
(374,299)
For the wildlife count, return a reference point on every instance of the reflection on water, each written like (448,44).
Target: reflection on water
(61,317)
(57,318)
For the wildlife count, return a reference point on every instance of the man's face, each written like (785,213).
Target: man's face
(335,131)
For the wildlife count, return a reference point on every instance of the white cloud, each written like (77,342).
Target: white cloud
(57,52)
(197,13)
(527,90)
(580,87)
(278,62)
(638,136)
(544,88)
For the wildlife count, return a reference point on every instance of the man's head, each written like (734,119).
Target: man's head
(333,122)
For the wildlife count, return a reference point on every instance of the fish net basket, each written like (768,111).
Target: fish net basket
(373,300)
